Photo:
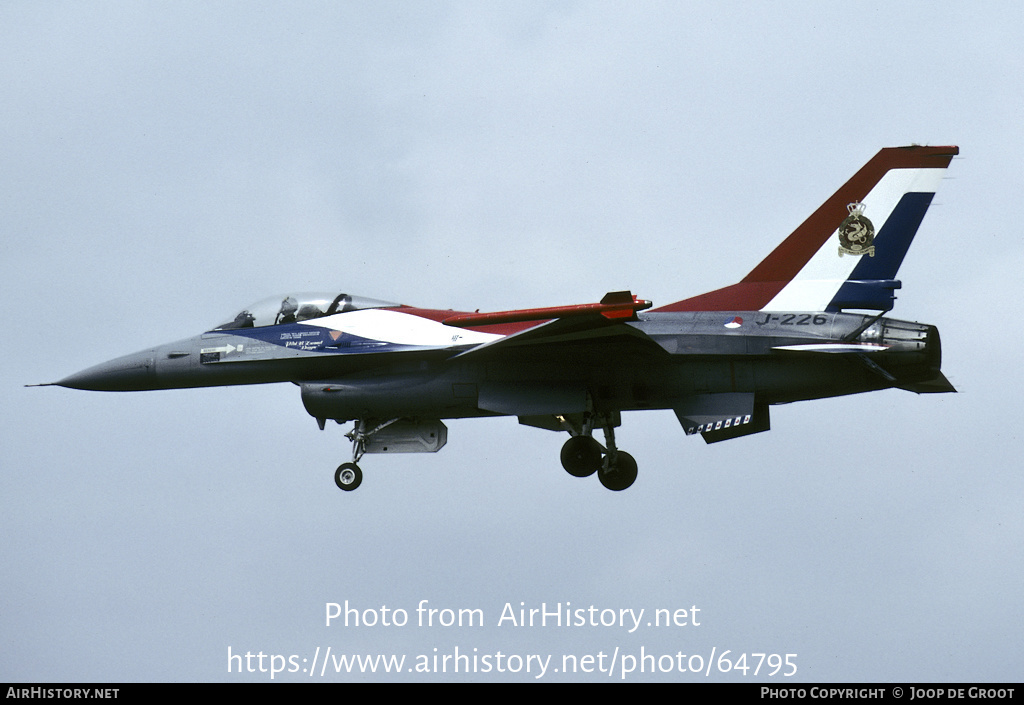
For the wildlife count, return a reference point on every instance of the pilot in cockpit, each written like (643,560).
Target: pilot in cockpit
(342,304)
(287,312)
(308,311)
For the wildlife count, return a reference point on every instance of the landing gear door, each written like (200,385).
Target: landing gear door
(408,437)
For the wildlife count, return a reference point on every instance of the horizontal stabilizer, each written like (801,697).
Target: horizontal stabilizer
(833,348)
(936,385)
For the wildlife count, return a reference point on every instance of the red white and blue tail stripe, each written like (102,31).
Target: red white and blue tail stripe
(847,253)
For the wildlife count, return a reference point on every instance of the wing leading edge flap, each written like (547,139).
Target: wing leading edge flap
(720,417)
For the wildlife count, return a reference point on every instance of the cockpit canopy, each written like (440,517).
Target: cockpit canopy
(293,308)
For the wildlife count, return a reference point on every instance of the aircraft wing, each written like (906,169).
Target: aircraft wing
(558,324)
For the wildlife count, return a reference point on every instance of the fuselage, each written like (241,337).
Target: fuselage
(400,361)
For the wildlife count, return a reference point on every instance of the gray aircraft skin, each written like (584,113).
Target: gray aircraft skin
(807,323)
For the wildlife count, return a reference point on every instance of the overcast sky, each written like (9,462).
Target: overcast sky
(165,164)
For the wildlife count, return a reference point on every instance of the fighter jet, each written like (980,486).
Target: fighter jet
(808,322)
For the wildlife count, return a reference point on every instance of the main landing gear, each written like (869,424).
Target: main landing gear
(582,456)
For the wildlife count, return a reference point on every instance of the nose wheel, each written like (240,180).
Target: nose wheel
(348,476)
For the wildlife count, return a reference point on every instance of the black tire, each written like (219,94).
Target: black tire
(348,476)
(581,456)
(618,473)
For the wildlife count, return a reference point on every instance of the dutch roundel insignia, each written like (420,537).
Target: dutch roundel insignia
(856,233)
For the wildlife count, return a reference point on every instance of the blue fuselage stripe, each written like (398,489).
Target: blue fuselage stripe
(307,338)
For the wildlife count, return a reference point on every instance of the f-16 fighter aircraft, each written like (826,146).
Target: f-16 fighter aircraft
(808,322)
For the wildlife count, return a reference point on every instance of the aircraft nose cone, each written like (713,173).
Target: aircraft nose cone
(123,374)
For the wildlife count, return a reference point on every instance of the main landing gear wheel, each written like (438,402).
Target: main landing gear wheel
(348,476)
(581,456)
(618,472)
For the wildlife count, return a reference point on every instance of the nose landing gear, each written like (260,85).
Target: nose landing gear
(397,435)
(348,476)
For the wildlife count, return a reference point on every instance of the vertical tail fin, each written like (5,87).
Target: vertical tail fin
(847,253)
